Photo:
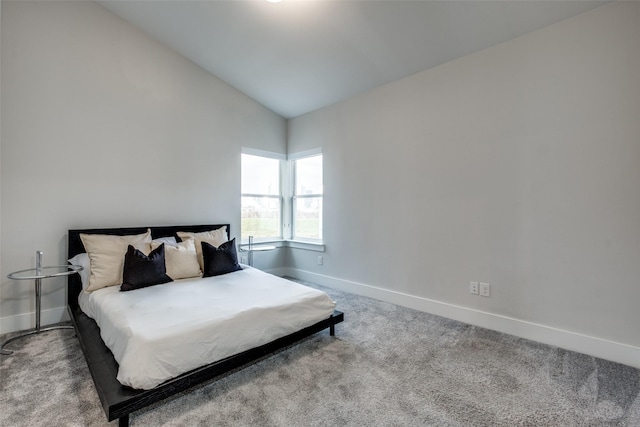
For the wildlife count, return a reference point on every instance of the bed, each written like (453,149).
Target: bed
(119,400)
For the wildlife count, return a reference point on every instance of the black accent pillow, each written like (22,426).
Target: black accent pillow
(141,270)
(220,260)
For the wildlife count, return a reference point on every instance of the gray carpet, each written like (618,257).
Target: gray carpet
(387,366)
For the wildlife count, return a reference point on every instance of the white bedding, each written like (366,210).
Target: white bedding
(162,331)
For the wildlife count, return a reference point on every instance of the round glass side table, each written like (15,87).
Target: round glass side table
(251,248)
(37,274)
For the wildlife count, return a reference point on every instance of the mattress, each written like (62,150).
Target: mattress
(162,331)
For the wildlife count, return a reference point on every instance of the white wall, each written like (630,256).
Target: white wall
(1,272)
(103,126)
(518,166)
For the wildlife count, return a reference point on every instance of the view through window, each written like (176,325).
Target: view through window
(261,207)
(307,198)
(270,205)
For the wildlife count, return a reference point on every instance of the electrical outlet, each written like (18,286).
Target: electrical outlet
(473,288)
(243,259)
(320,260)
(485,289)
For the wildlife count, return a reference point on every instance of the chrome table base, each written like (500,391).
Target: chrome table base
(31,332)
(37,274)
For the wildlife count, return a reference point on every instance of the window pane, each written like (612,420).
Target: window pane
(260,217)
(309,175)
(307,214)
(260,175)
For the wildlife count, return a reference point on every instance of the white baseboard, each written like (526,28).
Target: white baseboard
(597,347)
(24,321)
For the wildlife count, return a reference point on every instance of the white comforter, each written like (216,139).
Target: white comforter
(160,332)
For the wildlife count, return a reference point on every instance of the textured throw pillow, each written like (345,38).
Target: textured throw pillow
(220,260)
(181,260)
(106,254)
(141,271)
(213,237)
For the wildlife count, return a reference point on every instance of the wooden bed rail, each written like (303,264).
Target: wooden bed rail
(119,401)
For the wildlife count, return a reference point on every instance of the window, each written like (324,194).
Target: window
(307,198)
(280,199)
(261,206)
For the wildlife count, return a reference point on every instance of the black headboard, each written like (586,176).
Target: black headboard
(76,247)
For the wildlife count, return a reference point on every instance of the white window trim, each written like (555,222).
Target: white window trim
(286,243)
(286,200)
(291,196)
(282,196)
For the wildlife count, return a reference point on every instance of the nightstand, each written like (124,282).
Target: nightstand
(37,275)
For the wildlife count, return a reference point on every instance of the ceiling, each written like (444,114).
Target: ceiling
(299,56)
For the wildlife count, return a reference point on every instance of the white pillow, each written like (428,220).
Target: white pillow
(106,254)
(213,237)
(168,241)
(83,261)
(181,260)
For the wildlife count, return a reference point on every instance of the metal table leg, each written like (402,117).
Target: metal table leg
(38,329)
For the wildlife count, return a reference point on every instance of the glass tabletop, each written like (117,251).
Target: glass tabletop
(257,248)
(45,272)
(262,248)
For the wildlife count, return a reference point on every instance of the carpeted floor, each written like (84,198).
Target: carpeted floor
(387,366)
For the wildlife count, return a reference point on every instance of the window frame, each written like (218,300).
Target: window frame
(280,196)
(292,196)
(287,197)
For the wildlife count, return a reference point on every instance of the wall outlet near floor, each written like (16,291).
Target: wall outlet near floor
(485,289)
(320,260)
(473,288)
(243,259)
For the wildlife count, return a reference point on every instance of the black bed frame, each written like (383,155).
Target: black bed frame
(119,401)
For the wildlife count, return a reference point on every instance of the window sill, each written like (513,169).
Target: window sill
(296,244)
(309,246)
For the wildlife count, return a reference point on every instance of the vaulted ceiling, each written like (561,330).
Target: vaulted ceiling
(299,56)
